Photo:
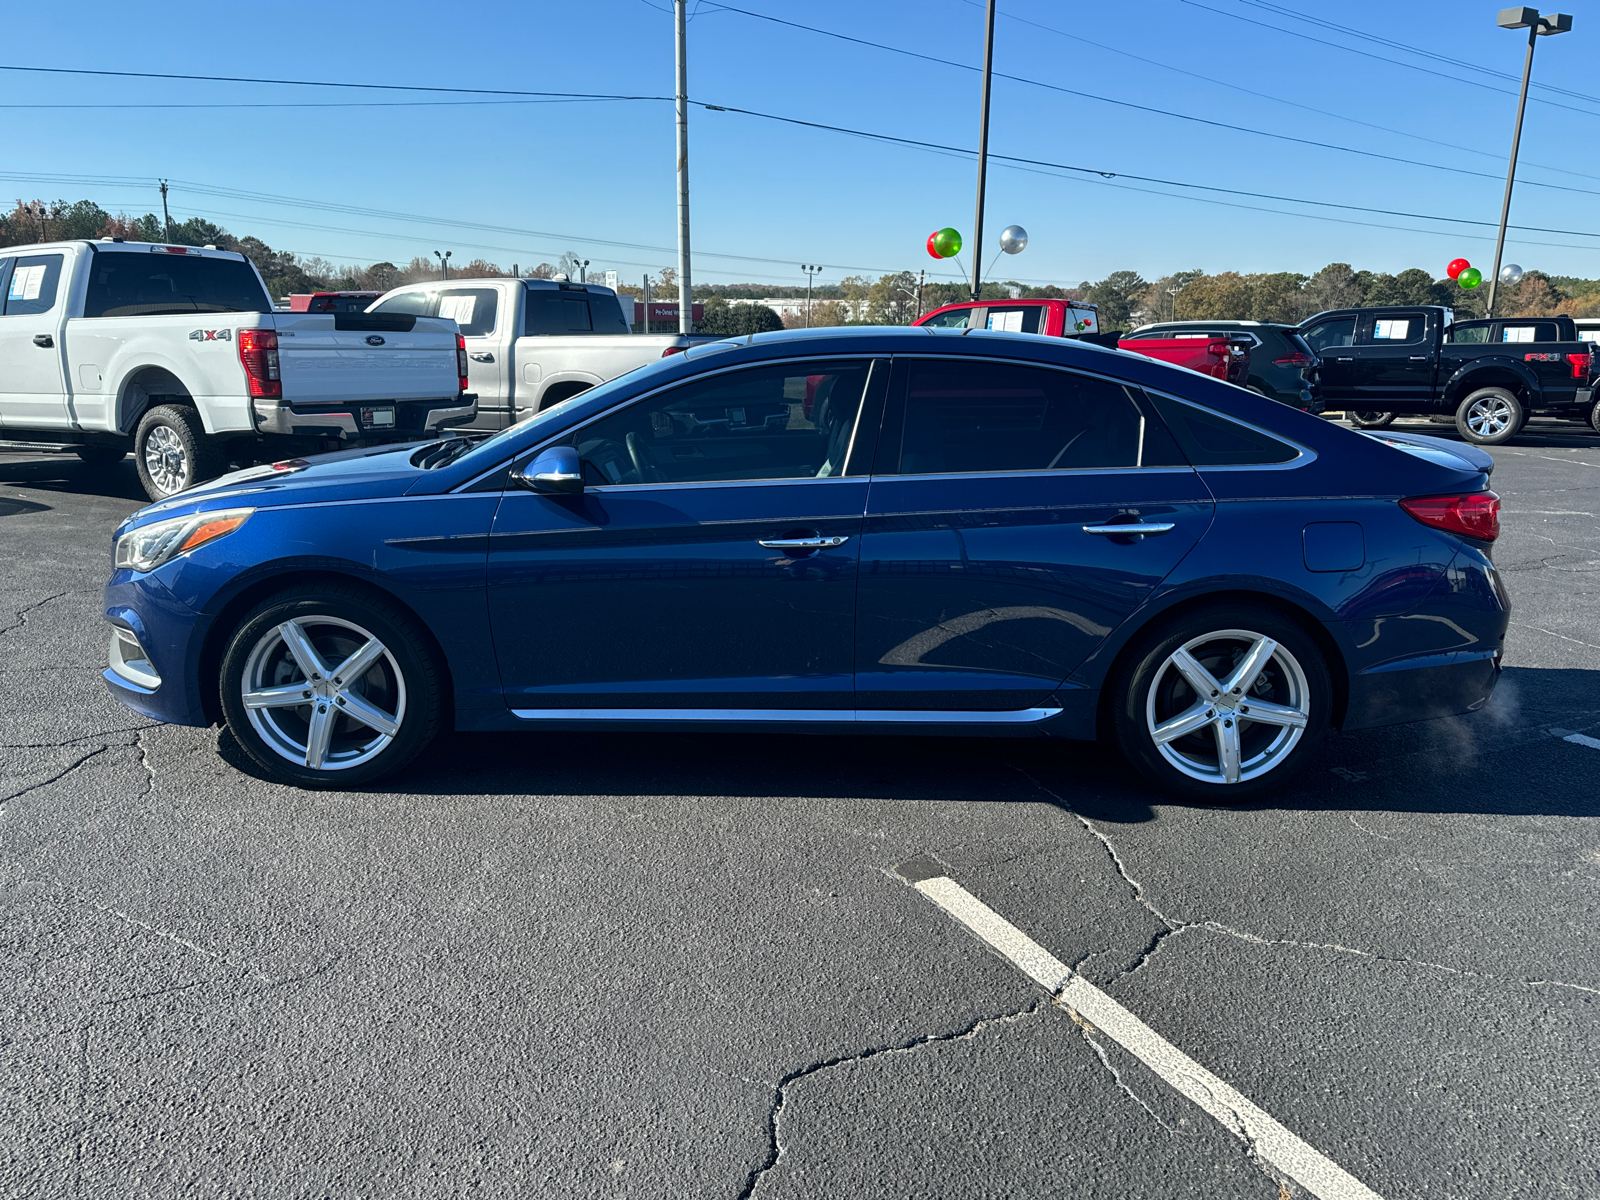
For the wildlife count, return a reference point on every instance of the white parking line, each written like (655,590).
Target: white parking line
(1578,739)
(1312,1170)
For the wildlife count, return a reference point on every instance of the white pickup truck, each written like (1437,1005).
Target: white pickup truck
(532,343)
(174,352)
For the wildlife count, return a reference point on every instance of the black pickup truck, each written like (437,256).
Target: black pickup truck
(1377,363)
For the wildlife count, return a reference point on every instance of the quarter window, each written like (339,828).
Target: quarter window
(33,283)
(1209,439)
(792,421)
(472,309)
(977,416)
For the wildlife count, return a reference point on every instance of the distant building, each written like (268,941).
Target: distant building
(788,307)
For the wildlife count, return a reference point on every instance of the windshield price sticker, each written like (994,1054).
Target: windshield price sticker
(457,308)
(1392,331)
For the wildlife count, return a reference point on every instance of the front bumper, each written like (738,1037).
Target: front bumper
(151,664)
(354,421)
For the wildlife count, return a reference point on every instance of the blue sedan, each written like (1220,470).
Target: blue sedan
(879,530)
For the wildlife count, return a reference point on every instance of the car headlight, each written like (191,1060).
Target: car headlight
(149,546)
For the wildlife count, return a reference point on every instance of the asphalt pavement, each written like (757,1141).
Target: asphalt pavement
(649,965)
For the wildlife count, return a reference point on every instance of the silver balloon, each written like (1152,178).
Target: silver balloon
(1510,273)
(1013,239)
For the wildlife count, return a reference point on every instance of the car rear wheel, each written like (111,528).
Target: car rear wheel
(1370,419)
(1490,417)
(330,686)
(1223,704)
(172,451)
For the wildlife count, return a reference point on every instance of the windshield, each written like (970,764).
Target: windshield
(502,444)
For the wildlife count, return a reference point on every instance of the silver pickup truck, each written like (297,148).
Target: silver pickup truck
(532,343)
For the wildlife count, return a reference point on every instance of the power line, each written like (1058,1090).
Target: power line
(1323,112)
(1284,11)
(1394,62)
(324,104)
(1232,127)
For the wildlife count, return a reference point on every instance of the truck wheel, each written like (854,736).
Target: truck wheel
(172,451)
(1594,417)
(1369,419)
(1490,416)
(100,456)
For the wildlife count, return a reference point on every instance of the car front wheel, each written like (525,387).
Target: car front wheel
(1222,704)
(330,686)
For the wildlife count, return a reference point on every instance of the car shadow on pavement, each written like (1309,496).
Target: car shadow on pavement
(68,473)
(1504,760)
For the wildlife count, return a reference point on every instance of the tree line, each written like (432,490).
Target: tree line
(1125,298)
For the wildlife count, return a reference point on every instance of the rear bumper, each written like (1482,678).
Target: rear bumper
(1421,689)
(353,421)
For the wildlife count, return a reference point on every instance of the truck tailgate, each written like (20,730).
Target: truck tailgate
(364,356)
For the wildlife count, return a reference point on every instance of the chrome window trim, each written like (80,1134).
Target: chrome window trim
(1304,458)
(832,716)
(1037,472)
(621,404)
(723,483)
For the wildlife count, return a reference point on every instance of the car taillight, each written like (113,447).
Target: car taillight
(1581,363)
(461,360)
(258,351)
(1474,514)
(671,350)
(1295,360)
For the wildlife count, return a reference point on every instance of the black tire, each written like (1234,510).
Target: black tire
(173,451)
(1369,418)
(404,683)
(1149,691)
(1490,416)
(1594,417)
(100,456)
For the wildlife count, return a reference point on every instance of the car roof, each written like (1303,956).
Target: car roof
(106,245)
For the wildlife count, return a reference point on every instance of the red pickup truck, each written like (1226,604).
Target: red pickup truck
(1221,357)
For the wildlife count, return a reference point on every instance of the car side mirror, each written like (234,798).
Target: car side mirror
(555,472)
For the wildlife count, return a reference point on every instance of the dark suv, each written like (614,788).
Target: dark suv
(1282,365)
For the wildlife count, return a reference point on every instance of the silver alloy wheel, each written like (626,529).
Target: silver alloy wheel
(1489,416)
(165,459)
(323,692)
(1228,706)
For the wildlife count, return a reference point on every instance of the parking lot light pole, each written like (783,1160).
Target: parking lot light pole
(444,263)
(1537,27)
(811,270)
(983,152)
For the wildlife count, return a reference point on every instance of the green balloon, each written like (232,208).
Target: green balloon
(947,242)
(1470,278)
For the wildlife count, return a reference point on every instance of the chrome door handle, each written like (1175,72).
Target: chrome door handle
(481,356)
(1150,528)
(1343,358)
(816,543)
(1419,358)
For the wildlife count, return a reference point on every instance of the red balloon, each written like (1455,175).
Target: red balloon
(1457,265)
(933,250)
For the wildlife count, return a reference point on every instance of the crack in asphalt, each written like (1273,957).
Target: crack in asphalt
(55,778)
(1088,1031)
(73,741)
(1176,926)
(775,1147)
(21,614)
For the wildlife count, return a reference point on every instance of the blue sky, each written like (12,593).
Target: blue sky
(541,178)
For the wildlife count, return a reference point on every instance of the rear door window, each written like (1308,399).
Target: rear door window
(563,312)
(605,314)
(964,417)
(473,309)
(1469,335)
(35,279)
(127,283)
(1536,331)
(1027,318)
(1335,331)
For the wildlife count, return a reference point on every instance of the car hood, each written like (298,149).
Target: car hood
(368,473)
(1442,452)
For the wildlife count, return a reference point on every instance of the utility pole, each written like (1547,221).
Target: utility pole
(685,292)
(167,216)
(921,276)
(810,270)
(983,154)
(1536,25)
(646,300)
